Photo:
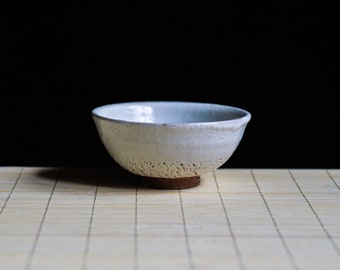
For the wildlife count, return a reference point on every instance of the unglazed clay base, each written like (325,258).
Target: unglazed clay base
(171,183)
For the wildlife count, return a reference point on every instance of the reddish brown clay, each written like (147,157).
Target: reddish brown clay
(171,183)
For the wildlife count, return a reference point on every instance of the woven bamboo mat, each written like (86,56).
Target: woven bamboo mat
(73,218)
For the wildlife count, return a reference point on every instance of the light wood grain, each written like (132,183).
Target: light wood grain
(78,218)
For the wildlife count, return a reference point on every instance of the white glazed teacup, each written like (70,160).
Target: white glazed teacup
(170,143)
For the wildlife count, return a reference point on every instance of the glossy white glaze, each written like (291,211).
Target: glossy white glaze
(167,139)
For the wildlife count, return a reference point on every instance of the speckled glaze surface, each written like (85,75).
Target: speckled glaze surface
(169,139)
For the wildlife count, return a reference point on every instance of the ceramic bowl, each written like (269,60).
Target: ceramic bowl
(170,144)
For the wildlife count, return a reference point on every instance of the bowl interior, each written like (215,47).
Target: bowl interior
(169,112)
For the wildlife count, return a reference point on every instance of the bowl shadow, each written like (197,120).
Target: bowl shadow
(107,177)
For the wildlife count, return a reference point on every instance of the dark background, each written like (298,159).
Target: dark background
(278,60)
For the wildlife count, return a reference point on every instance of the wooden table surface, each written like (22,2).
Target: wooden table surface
(95,218)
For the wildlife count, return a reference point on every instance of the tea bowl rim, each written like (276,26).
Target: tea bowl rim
(245,117)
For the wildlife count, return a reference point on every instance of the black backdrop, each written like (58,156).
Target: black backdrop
(279,61)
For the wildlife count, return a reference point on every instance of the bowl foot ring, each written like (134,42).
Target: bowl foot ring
(171,183)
